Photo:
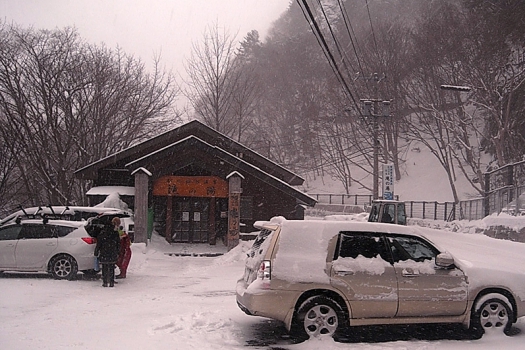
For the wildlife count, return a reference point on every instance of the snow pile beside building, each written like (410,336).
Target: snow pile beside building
(113,201)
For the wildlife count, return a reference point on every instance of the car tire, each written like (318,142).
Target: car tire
(491,314)
(63,267)
(319,315)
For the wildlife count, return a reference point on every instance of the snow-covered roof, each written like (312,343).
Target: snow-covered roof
(234,173)
(227,157)
(193,127)
(144,170)
(107,190)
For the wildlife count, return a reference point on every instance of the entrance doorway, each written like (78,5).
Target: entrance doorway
(190,220)
(190,211)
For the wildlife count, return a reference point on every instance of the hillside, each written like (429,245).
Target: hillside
(423,179)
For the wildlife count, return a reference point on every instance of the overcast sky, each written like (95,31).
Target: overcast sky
(146,27)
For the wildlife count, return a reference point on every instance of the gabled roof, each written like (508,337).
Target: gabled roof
(198,146)
(203,132)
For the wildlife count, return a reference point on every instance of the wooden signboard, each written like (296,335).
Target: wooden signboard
(234,209)
(191,186)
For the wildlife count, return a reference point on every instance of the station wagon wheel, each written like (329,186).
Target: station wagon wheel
(319,315)
(494,315)
(63,267)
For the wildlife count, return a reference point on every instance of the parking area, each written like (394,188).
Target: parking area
(178,302)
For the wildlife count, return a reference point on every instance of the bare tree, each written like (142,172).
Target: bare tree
(454,47)
(214,78)
(65,103)
(500,97)
(9,179)
(248,90)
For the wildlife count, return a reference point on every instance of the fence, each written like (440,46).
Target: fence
(506,199)
(344,199)
(447,211)
(504,189)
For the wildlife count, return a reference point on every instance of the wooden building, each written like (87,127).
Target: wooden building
(198,185)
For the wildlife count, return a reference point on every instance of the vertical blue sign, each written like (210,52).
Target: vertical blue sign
(388,181)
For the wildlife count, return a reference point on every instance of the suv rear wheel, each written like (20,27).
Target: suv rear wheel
(319,315)
(63,267)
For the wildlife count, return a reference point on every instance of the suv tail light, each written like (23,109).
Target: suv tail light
(265,270)
(89,240)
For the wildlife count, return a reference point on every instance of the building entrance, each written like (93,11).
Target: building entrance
(190,220)
(191,207)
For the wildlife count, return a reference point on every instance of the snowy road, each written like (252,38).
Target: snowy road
(174,302)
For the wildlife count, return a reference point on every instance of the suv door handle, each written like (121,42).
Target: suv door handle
(409,272)
(344,272)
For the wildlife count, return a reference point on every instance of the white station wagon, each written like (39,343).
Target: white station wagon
(59,247)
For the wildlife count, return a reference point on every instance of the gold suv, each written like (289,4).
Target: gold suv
(319,277)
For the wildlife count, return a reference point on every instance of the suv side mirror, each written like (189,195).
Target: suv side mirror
(445,260)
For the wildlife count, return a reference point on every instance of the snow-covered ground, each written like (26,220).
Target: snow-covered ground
(183,302)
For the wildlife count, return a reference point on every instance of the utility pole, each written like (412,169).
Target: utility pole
(368,112)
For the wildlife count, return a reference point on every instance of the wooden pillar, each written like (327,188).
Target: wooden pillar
(141,204)
(234,208)
(212,235)
(169,218)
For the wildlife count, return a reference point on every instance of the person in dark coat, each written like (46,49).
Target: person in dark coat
(107,250)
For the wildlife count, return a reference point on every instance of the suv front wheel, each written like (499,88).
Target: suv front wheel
(319,315)
(63,267)
(491,314)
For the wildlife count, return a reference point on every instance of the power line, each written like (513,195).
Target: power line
(303,4)
(342,54)
(350,31)
(372,29)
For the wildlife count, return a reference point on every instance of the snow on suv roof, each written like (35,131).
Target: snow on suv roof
(310,238)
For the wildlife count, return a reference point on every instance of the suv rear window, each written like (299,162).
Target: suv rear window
(263,235)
